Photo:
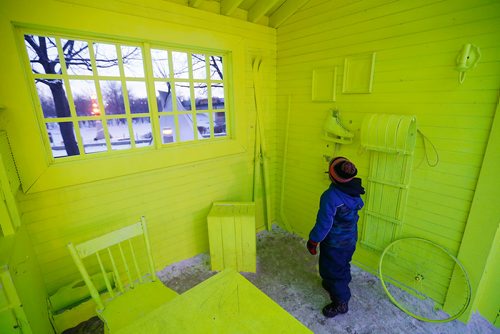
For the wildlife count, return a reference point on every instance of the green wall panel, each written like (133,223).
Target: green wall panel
(176,188)
(416,46)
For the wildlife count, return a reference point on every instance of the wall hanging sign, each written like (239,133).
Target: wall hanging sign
(324,83)
(358,74)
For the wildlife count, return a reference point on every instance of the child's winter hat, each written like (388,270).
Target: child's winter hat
(342,170)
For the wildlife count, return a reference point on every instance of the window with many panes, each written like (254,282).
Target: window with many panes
(99,96)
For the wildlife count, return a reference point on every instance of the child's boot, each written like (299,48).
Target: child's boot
(334,309)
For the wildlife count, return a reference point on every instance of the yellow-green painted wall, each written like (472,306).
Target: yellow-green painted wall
(416,45)
(174,191)
(479,250)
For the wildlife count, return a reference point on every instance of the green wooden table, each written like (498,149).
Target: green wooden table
(224,303)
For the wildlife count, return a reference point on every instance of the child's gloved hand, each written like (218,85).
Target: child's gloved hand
(311,247)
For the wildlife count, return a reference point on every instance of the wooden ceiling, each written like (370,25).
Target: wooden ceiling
(270,13)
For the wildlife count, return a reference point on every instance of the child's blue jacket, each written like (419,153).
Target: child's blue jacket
(336,222)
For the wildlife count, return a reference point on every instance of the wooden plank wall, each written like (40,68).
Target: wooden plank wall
(175,200)
(416,45)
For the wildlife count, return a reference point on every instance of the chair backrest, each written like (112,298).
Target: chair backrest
(116,249)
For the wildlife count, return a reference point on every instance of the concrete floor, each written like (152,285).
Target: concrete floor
(287,273)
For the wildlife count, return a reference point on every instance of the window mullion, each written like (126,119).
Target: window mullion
(209,96)
(191,95)
(151,90)
(123,80)
(172,82)
(97,83)
(227,98)
(99,97)
(177,127)
(69,97)
(129,115)
(210,108)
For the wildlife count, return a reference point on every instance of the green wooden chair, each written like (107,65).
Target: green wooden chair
(136,291)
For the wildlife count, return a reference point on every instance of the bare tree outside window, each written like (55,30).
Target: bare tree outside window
(45,61)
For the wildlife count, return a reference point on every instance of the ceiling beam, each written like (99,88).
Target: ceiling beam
(195,3)
(228,6)
(259,9)
(287,9)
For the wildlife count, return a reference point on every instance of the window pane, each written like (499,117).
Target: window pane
(199,68)
(119,133)
(160,63)
(186,126)
(203,124)
(216,70)
(201,96)
(106,59)
(132,61)
(163,97)
(112,97)
(220,124)
(218,96)
(183,93)
(142,131)
(85,97)
(137,97)
(77,57)
(167,128)
(46,100)
(50,98)
(40,45)
(93,137)
(56,138)
(180,63)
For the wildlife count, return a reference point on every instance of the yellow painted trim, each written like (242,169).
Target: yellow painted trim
(71,173)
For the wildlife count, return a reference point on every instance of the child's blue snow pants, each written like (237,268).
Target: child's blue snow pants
(335,270)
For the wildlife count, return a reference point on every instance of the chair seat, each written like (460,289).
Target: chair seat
(135,304)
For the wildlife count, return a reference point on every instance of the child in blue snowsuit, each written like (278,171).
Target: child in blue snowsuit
(336,231)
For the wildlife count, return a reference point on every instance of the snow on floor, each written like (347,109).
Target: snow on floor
(287,273)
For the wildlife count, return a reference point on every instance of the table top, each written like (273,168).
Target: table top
(224,303)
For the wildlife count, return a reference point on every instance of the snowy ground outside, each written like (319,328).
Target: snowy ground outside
(93,140)
(287,273)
